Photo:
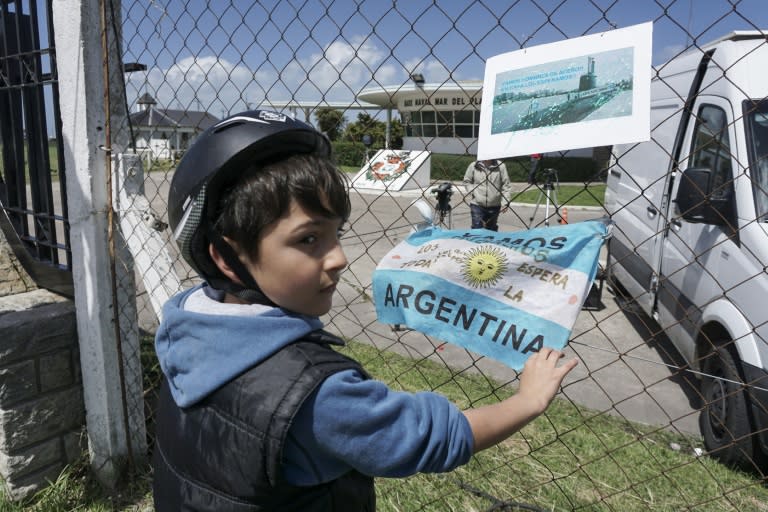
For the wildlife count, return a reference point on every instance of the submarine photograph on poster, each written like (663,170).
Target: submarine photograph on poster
(566,91)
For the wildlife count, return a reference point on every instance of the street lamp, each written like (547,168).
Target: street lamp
(367,142)
(418,79)
(130,67)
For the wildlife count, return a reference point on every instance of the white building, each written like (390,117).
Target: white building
(166,133)
(439,117)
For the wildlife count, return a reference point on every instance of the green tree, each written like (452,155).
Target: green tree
(396,133)
(330,121)
(367,125)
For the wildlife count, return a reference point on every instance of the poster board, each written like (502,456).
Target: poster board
(394,170)
(578,93)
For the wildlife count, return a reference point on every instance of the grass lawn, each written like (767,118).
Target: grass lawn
(568,195)
(571,458)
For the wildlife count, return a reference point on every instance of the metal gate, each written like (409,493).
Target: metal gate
(32,184)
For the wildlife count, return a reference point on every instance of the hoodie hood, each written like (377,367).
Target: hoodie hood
(200,352)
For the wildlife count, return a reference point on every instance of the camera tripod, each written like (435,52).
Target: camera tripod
(443,208)
(547,194)
(367,142)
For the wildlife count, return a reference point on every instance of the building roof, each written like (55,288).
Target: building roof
(147,99)
(388,96)
(170,118)
(316,104)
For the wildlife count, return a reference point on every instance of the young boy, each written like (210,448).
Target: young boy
(257,411)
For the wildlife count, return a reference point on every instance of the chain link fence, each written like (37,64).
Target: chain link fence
(627,431)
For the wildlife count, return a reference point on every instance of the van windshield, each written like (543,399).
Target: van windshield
(757,142)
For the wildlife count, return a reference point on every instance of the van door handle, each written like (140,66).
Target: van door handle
(676,223)
(616,173)
(652,211)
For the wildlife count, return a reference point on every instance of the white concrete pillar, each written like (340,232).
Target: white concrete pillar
(112,435)
(142,229)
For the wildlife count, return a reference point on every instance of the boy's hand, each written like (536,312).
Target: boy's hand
(541,377)
(540,380)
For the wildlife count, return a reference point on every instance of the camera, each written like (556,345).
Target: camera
(443,192)
(547,176)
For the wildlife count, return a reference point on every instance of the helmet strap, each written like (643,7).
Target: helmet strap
(249,291)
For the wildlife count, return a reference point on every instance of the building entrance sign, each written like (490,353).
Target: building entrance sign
(394,170)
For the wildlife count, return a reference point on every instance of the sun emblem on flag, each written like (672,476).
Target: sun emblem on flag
(484,266)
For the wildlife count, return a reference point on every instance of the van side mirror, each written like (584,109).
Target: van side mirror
(694,198)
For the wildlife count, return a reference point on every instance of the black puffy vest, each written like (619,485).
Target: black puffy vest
(224,453)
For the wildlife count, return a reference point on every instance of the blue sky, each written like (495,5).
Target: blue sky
(232,54)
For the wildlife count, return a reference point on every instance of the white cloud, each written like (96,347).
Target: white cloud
(204,83)
(342,70)
(217,85)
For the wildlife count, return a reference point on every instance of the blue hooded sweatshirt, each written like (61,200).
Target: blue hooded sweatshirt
(349,422)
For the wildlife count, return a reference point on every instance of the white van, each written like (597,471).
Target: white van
(690,240)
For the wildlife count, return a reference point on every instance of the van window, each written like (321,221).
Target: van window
(712,148)
(756,115)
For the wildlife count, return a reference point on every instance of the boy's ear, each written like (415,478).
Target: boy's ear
(222,264)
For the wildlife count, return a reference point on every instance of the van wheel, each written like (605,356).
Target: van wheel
(724,420)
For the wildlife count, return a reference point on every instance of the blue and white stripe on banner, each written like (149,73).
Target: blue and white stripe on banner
(501,294)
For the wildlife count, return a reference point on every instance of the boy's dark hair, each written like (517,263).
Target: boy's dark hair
(264,193)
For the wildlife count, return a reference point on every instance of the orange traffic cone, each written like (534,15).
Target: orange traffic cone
(564,216)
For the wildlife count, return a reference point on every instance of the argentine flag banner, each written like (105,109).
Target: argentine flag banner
(504,295)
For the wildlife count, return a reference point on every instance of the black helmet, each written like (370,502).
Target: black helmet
(215,161)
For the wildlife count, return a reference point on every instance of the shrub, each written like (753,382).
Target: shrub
(572,169)
(569,169)
(450,167)
(349,153)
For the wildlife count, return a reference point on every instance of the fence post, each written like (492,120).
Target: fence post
(105,296)
(142,229)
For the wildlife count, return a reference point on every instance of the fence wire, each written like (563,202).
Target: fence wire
(636,424)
